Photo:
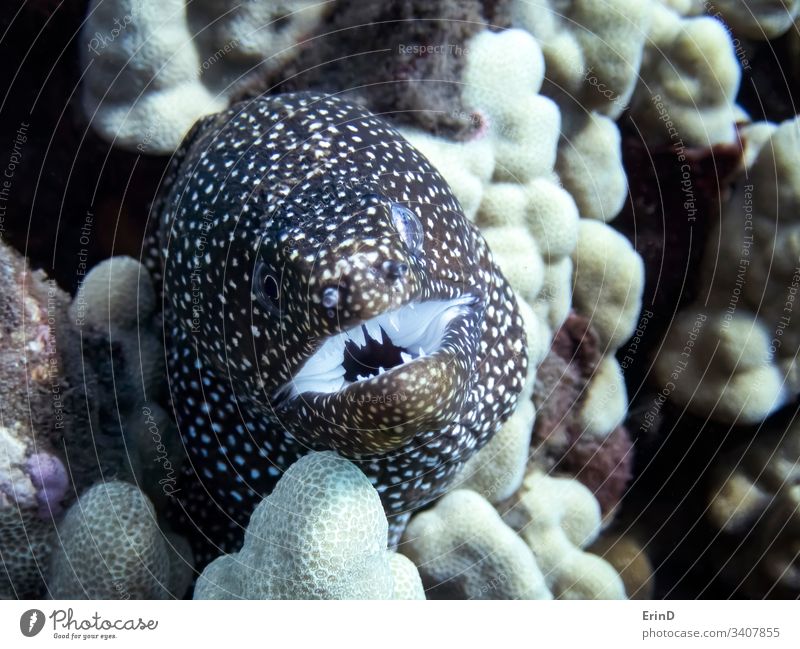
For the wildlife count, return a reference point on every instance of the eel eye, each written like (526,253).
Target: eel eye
(409,227)
(266,288)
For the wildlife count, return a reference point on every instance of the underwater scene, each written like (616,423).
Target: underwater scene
(399,300)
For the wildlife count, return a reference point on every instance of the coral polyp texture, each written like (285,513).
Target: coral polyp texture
(154,68)
(109,546)
(734,357)
(754,503)
(465,551)
(558,518)
(400,300)
(320,534)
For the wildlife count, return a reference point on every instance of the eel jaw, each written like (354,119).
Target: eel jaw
(331,404)
(385,343)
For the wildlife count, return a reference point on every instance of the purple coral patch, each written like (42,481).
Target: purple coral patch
(48,475)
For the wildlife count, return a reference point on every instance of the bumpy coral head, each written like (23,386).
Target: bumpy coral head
(323,264)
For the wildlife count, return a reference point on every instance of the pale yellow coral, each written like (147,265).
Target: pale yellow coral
(605,404)
(515,252)
(153,68)
(720,367)
(593,49)
(557,517)
(321,534)
(757,19)
(590,164)
(751,276)
(465,551)
(754,501)
(629,559)
(497,470)
(689,80)
(609,280)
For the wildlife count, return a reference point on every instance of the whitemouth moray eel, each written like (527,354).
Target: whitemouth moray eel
(323,290)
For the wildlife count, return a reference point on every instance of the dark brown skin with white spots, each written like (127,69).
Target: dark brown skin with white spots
(323,290)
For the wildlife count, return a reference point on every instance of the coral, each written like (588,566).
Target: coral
(25,545)
(115,308)
(557,517)
(407,582)
(757,19)
(45,419)
(608,283)
(690,76)
(593,50)
(675,193)
(109,546)
(581,401)
(465,551)
(115,293)
(589,164)
(155,68)
(593,53)
(508,185)
(497,470)
(720,367)
(515,251)
(321,534)
(603,465)
(754,503)
(746,331)
(626,555)
(414,76)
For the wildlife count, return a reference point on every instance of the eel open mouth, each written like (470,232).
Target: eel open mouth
(381,344)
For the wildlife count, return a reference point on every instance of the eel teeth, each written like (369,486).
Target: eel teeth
(416,328)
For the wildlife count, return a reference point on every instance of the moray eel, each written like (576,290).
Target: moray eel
(323,290)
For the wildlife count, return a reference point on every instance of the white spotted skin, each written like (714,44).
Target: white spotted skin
(299,188)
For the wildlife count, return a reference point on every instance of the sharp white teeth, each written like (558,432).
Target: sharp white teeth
(415,328)
(374,330)
(356,334)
